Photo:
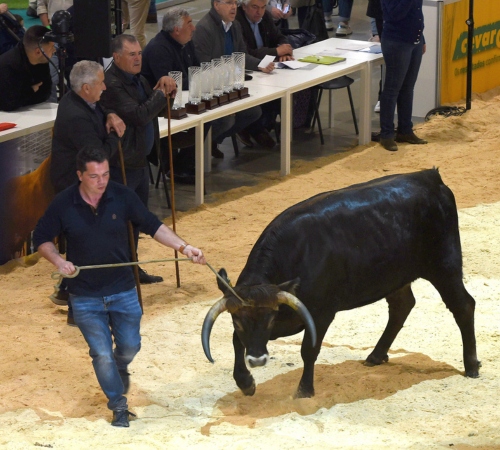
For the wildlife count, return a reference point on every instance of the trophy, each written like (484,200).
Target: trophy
(228,85)
(239,74)
(218,81)
(207,90)
(177,111)
(195,105)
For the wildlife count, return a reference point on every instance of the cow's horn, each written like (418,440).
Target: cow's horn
(288,299)
(208,323)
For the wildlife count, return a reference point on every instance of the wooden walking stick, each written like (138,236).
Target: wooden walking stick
(171,163)
(131,240)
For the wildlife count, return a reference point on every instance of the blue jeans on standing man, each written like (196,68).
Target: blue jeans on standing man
(102,319)
(402,62)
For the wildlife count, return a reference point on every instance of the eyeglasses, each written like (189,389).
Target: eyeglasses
(234,3)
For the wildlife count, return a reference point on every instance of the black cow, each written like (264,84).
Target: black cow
(341,250)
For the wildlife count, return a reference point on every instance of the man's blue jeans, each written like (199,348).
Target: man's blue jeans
(402,62)
(101,319)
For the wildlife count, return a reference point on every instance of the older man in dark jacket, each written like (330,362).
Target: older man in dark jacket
(131,97)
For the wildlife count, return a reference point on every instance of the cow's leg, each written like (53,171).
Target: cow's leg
(400,304)
(241,374)
(310,354)
(462,306)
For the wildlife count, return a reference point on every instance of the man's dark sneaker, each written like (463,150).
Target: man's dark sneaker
(152,18)
(125,376)
(264,139)
(121,418)
(244,137)
(145,278)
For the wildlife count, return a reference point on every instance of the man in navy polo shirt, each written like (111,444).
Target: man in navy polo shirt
(93,216)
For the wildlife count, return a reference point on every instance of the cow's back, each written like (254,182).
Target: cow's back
(360,243)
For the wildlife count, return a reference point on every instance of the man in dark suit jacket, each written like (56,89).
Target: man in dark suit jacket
(130,96)
(260,33)
(24,71)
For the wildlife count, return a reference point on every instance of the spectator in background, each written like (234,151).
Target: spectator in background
(170,50)
(403,45)
(46,9)
(130,96)
(218,34)
(135,14)
(11,29)
(24,71)
(262,38)
(345,8)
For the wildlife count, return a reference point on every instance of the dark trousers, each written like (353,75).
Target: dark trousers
(402,62)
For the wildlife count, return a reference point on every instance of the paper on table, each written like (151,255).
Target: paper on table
(372,49)
(292,64)
(348,45)
(268,59)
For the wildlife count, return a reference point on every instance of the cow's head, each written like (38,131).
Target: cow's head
(253,310)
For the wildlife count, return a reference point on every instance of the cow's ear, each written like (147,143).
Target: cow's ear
(220,284)
(290,286)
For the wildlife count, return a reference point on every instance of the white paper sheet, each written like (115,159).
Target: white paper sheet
(268,59)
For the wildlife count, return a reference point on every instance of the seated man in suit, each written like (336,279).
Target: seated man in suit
(172,50)
(218,34)
(24,71)
(262,38)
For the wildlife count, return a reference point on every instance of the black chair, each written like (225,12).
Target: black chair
(337,83)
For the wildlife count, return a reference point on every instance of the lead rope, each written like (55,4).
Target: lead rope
(60,275)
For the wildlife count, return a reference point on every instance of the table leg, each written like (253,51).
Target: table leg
(199,170)
(286,133)
(365,127)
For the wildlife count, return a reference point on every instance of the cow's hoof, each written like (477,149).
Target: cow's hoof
(304,393)
(474,372)
(249,390)
(374,361)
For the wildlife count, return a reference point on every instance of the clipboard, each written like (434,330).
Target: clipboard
(327,60)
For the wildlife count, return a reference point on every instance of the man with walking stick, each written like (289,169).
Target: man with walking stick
(93,216)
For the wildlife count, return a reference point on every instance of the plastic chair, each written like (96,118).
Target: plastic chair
(337,83)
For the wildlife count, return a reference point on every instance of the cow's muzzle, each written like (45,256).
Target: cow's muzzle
(261,361)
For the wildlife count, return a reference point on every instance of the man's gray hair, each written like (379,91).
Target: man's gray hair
(174,17)
(84,72)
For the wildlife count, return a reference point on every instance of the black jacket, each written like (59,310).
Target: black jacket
(17,76)
(77,125)
(164,54)
(271,35)
(122,97)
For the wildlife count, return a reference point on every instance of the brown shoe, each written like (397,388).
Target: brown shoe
(389,144)
(264,139)
(410,138)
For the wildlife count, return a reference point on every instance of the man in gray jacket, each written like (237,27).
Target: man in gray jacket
(217,34)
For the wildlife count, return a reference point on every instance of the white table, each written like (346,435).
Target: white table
(282,84)
(29,120)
